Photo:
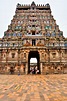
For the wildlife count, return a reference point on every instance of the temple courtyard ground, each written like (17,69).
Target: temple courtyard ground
(33,87)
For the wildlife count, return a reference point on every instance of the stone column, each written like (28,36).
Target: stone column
(26,69)
(41,68)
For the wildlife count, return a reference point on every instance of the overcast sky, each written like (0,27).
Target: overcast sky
(58,8)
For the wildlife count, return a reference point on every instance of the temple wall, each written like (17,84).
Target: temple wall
(47,67)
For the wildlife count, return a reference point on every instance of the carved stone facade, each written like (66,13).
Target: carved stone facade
(33,32)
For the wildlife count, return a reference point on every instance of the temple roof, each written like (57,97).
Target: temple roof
(38,6)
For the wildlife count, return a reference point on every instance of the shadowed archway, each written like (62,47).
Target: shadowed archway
(34,54)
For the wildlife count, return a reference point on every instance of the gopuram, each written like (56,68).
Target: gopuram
(33,33)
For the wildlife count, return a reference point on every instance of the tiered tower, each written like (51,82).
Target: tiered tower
(33,33)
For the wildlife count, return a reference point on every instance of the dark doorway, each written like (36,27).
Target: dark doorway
(34,54)
(33,32)
(33,42)
(12,70)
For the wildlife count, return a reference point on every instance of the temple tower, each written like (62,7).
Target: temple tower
(33,33)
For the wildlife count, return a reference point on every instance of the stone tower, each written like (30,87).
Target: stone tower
(33,33)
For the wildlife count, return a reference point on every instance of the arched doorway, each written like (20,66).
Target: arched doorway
(34,54)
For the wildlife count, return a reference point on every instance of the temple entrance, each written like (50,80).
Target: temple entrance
(34,66)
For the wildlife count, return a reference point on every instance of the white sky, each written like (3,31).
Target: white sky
(58,8)
(33,60)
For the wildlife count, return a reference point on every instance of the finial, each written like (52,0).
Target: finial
(33,3)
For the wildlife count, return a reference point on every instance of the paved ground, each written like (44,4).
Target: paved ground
(33,87)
